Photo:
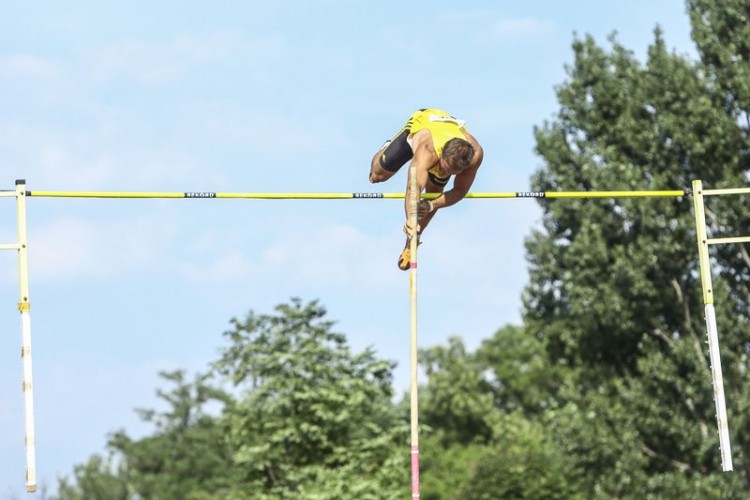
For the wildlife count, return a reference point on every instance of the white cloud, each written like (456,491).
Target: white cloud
(277,135)
(72,247)
(61,130)
(516,30)
(230,266)
(156,63)
(93,158)
(337,254)
(27,66)
(490,26)
(472,246)
(334,256)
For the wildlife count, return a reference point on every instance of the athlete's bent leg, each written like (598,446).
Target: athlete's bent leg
(378,173)
(390,157)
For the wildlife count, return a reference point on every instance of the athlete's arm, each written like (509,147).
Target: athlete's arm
(424,159)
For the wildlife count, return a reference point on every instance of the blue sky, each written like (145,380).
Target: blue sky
(265,97)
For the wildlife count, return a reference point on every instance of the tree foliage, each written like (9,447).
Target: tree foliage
(613,290)
(313,418)
(299,415)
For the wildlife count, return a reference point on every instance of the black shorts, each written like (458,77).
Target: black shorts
(398,152)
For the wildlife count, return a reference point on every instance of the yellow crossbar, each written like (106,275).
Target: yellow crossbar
(342,196)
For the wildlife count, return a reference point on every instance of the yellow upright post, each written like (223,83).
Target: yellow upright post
(415,195)
(23,306)
(713,335)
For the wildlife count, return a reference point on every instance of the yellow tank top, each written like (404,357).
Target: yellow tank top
(441,125)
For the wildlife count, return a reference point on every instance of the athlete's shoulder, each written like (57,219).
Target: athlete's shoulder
(422,138)
(423,147)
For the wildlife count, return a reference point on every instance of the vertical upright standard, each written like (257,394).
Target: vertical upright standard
(23,306)
(414,197)
(713,335)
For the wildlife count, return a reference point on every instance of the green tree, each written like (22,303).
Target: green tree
(613,293)
(97,479)
(522,462)
(456,416)
(721,30)
(520,375)
(303,417)
(313,419)
(484,432)
(457,402)
(186,457)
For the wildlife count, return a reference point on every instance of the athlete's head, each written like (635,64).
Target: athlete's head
(457,155)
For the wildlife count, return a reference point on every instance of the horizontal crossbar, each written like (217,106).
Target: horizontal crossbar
(340,196)
(713,192)
(738,239)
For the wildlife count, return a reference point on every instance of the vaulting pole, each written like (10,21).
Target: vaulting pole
(713,335)
(414,197)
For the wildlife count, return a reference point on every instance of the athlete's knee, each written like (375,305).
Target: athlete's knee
(376,177)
